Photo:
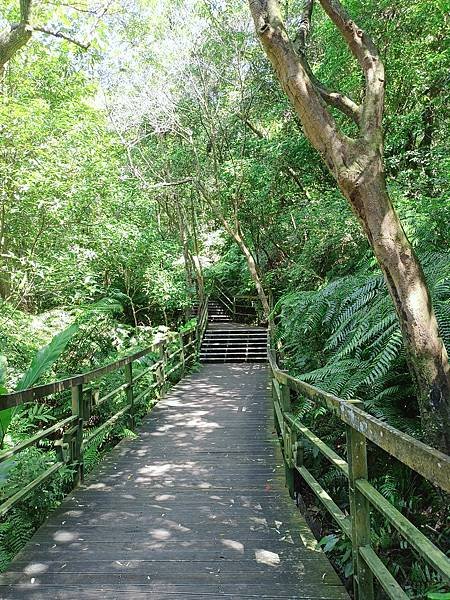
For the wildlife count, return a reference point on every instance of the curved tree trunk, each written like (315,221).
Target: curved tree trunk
(252,267)
(357,166)
(426,354)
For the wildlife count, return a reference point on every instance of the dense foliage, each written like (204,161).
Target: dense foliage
(123,170)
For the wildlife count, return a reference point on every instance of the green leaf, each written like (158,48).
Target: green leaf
(47,356)
(5,415)
(3,364)
(348,569)
(43,360)
(329,542)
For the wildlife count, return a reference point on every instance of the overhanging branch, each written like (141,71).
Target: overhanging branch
(335,99)
(59,34)
(364,50)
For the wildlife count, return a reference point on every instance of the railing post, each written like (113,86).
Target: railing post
(160,371)
(289,441)
(182,355)
(359,514)
(78,409)
(129,391)
(277,424)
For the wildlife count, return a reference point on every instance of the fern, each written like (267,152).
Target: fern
(345,338)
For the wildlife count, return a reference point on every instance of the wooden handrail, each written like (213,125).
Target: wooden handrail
(73,431)
(360,428)
(235,305)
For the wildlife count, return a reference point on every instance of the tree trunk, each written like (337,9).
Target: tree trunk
(357,166)
(5,287)
(426,354)
(252,267)
(186,257)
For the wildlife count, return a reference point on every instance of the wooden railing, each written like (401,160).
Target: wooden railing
(241,308)
(361,427)
(202,321)
(145,377)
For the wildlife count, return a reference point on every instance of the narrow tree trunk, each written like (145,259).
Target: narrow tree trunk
(199,278)
(253,269)
(196,257)
(5,287)
(186,257)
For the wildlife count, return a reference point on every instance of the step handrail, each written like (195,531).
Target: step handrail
(202,322)
(361,427)
(233,304)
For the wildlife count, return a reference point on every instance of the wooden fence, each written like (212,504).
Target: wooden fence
(158,365)
(361,427)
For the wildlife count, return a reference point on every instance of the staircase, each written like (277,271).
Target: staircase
(228,342)
(217,313)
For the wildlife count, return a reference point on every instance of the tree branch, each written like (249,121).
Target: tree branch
(318,123)
(25,10)
(285,165)
(333,98)
(164,184)
(364,50)
(16,35)
(59,34)
(252,127)
(304,25)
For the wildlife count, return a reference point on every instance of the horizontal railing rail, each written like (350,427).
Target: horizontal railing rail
(146,375)
(361,427)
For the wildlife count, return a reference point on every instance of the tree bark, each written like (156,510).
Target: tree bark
(15,35)
(357,166)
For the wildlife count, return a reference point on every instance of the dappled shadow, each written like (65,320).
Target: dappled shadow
(192,506)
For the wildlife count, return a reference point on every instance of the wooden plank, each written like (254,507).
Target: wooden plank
(18,496)
(35,438)
(193,507)
(386,580)
(429,462)
(340,519)
(109,423)
(359,514)
(47,389)
(330,454)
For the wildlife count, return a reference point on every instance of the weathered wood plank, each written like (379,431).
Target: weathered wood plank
(193,507)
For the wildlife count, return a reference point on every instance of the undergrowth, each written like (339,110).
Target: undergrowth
(345,339)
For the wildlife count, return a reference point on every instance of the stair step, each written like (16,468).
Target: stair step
(216,354)
(235,332)
(235,344)
(237,348)
(234,360)
(244,339)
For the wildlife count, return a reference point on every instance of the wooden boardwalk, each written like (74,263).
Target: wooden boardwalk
(194,507)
